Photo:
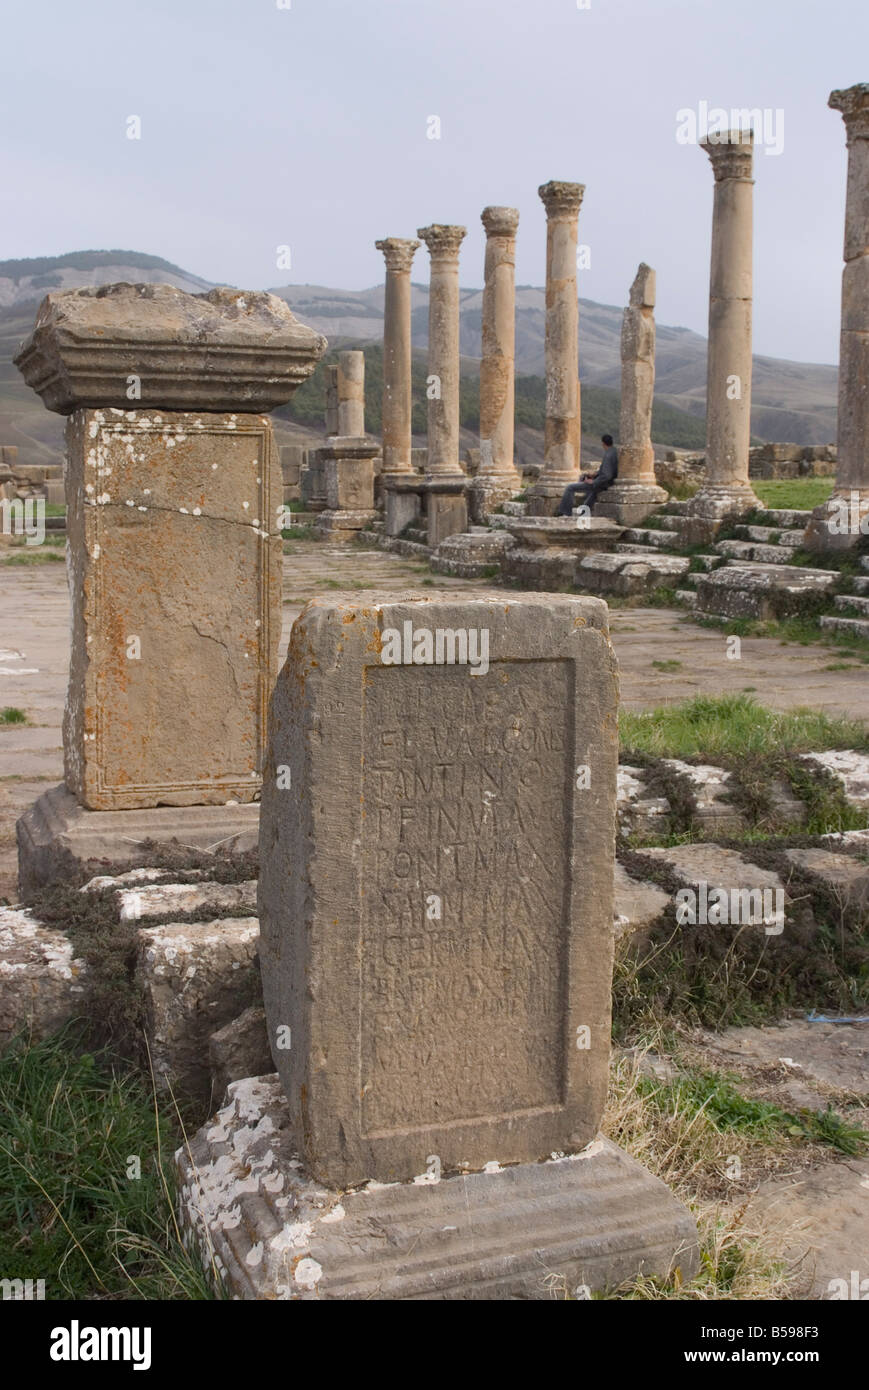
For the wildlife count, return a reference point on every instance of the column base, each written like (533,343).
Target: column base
(563,1228)
(840,523)
(715,504)
(342,525)
(58,839)
(630,503)
(487,493)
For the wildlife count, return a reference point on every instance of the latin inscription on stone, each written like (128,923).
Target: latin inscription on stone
(466,784)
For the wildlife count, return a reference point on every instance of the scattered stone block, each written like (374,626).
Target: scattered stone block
(637,906)
(195,978)
(41,979)
(239,1049)
(759,591)
(713,812)
(852,770)
(639,814)
(169,899)
(846,876)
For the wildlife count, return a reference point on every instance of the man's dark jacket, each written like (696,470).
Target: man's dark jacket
(609,469)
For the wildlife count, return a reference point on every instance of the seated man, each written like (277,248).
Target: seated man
(591,484)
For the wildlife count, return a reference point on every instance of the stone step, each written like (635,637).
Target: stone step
(860,585)
(859,627)
(770,535)
(783,517)
(642,535)
(673,508)
(742,589)
(750,550)
(687,597)
(860,605)
(864,563)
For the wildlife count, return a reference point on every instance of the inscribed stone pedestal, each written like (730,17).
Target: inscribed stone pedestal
(175,565)
(436,890)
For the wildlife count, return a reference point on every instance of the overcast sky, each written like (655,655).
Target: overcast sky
(308,126)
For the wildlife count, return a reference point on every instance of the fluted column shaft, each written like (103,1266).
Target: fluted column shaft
(397,395)
(726,490)
(443,243)
(497,368)
(561,442)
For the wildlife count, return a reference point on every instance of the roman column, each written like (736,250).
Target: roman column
(726,490)
(636,493)
(845,517)
(561,440)
(443,243)
(351,394)
(398,253)
(497,478)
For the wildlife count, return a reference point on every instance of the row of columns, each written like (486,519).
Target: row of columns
(726,490)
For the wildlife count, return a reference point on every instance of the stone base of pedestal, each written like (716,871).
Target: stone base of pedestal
(402,496)
(543,498)
(475,554)
(486,494)
(714,505)
(839,523)
(58,838)
(342,525)
(629,503)
(446,509)
(548,549)
(566,1227)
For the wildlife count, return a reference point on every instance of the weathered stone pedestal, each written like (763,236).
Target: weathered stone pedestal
(349,478)
(548,549)
(174,549)
(560,1228)
(438,1000)
(438,503)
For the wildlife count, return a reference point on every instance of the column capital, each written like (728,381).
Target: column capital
(561,199)
(853,103)
(398,251)
(500,221)
(731,153)
(443,240)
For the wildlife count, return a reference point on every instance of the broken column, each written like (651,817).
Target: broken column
(497,479)
(445,482)
(726,490)
(844,519)
(347,459)
(173,490)
(635,492)
(438,1001)
(561,439)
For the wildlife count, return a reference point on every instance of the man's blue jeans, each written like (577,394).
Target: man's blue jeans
(569,497)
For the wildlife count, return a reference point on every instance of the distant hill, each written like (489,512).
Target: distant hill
(792,401)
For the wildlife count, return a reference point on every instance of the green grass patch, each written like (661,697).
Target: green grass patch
(32,557)
(671,665)
(12,715)
(299,533)
(715,1095)
(72,1211)
(733,725)
(792,494)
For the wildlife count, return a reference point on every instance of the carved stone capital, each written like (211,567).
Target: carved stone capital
(398,251)
(443,240)
(853,102)
(500,221)
(731,153)
(561,199)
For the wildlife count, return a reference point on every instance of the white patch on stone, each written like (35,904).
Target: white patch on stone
(308,1273)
